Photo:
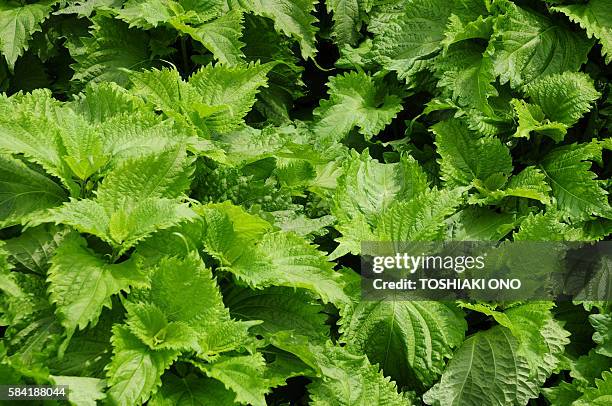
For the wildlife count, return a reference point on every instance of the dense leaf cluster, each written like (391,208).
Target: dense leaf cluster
(185,186)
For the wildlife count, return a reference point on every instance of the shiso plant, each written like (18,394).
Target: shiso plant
(185,186)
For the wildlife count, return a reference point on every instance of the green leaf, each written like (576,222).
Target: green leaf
(84,148)
(471,26)
(542,339)
(562,395)
(35,247)
(598,396)
(528,46)
(543,227)
(284,259)
(149,324)
(216,99)
(418,219)
(347,15)
(594,17)
(368,187)
(530,183)
(81,283)
(243,374)
(563,98)
(602,324)
(531,118)
(220,36)
(291,17)
(82,391)
(407,340)
(467,74)
(578,194)
(480,224)
(355,100)
(186,293)
(229,229)
(30,127)
(342,378)
(285,84)
(589,367)
(466,157)
(18,22)
(135,371)
(111,48)
(121,226)
(405,35)
(24,192)
(185,290)
(232,89)
(149,14)
(89,350)
(163,175)
(192,390)
(163,88)
(470,380)
(280,309)
(85,8)
(365,190)
(100,102)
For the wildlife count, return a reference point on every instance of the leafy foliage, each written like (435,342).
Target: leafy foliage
(185,186)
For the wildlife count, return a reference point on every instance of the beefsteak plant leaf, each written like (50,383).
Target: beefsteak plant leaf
(166,174)
(18,22)
(602,324)
(260,258)
(244,375)
(82,390)
(149,13)
(470,380)
(355,100)
(284,259)
(467,157)
(192,390)
(598,395)
(563,98)
(368,187)
(100,102)
(291,17)
(531,118)
(530,183)
(151,326)
(221,37)
(419,219)
(184,310)
(24,192)
(135,371)
(81,283)
(347,15)
(85,8)
(35,247)
(129,206)
(216,99)
(578,194)
(280,309)
(402,207)
(466,73)
(594,17)
(111,48)
(342,378)
(408,33)
(528,46)
(407,340)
